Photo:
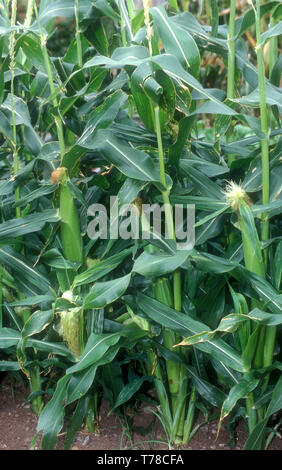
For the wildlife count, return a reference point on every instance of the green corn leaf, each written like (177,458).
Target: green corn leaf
(276,400)
(129,191)
(22,117)
(185,126)
(130,161)
(208,391)
(76,421)
(158,264)
(101,268)
(253,177)
(177,41)
(246,21)
(37,322)
(96,347)
(9,366)
(21,111)
(165,244)
(26,271)
(276,72)
(215,264)
(204,184)
(238,391)
(28,224)
(256,438)
(226,375)
(101,118)
(275,30)
(173,68)
(232,322)
(210,228)
(14,317)
(50,347)
(9,337)
(129,390)
(104,293)
(215,17)
(105,9)
(36,194)
(80,383)
(143,104)
(273,97)
(30,44)
(183,324)
(278,265)
(72,157)
(264,290)
(51,418)
(6,186)
(60,8)
(122,56)
(55,259)
(201,203)
(212,264)
(265,318)
(212,216)
(207,168)
(36,300)
(146,91)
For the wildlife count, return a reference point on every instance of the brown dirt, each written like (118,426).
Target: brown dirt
(18,427)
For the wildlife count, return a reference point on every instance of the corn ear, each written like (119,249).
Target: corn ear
(71,329)
(251,244)
(240,202)
(70,227)
(254,262)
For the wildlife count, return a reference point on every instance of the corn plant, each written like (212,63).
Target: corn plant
(120,113)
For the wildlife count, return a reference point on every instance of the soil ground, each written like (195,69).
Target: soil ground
(18,427)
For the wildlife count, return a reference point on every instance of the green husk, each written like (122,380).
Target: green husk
(251,244)
(70,226)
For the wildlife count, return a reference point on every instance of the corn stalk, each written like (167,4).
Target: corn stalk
(78,36)
(231,65)
(270,332)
